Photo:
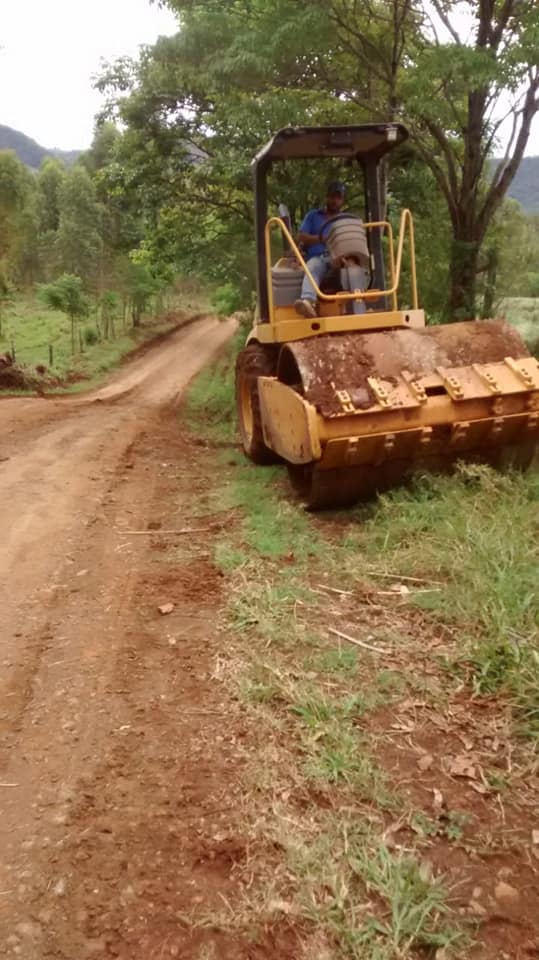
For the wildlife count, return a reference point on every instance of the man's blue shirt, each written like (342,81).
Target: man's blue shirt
(313,223)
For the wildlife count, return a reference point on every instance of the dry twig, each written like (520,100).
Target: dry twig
(355,641)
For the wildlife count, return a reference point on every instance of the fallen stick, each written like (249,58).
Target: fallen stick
(9,784)
(357,643)
(396,576)
(342,593)
(168,533)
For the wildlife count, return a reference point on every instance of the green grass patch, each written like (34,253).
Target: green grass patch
(473,538)
(38,335)
(341,873)
(477,534)
(210,403)
(322,799)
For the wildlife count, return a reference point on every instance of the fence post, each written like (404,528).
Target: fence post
(13,355)
(51,355)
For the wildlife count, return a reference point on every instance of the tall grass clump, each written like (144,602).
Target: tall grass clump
(211,405)
(477,533)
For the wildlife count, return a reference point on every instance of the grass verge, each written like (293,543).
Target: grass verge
(39,335)
(352,854)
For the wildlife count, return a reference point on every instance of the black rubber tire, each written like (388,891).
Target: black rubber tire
(255,360)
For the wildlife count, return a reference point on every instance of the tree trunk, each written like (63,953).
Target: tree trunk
(489,296)
(463,280)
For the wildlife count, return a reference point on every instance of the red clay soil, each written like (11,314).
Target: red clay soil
(122,828)
(345,361)
(120,772)
(455,759)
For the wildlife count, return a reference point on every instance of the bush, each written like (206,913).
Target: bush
(90,336)
(227,299)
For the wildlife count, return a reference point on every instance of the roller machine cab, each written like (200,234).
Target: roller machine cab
(361,396)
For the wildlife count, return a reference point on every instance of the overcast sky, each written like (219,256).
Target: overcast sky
(49,50)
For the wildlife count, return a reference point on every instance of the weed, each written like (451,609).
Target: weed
(228,557)
(477,534)
(91,336)
(343,661)
(375,904)
(210,400)
(340,755)
(457,820)
(415,900)
(497,780)
(423,825)
(272,525)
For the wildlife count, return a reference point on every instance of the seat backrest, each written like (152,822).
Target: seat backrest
(347,238)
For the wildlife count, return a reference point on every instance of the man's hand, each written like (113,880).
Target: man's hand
(308,239)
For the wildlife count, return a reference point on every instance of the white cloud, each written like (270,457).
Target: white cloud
(49,51)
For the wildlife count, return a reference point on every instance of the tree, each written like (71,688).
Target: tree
(239,70)
(109,303)
(184,160)
(448,87)
(6,295)
(50,180)
(67,294)
(17,193)
(142,286)
(80,220)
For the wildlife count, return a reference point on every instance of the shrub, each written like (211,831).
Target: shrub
(90,336)
(227,299)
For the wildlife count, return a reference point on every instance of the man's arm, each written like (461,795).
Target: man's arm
(309,239)
(306,235)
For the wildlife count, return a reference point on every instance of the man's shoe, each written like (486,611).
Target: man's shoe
(306,308)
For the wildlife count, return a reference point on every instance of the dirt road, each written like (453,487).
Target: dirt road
(110,804)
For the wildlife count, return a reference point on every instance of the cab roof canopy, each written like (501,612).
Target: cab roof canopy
(364,142)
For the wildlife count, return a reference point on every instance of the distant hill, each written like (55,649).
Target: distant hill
(525,186)
(30,152)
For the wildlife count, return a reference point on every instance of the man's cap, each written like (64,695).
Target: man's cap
(336,186)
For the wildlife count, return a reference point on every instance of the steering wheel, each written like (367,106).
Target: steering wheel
(331,220)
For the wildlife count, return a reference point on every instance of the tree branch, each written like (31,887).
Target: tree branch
(508,169)
(446,21)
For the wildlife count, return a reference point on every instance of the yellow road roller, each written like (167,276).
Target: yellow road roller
(355,393)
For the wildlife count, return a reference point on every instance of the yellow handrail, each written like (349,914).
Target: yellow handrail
(406,221)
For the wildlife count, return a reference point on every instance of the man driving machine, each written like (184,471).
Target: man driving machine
(318,261)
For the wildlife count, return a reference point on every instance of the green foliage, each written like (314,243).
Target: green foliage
(109,304)
(79,241)
(478,534)
(90,335)
(211,395)
(415,899)
(67,294)
(18,227)
(33,329)
(227,299)
(198,106)
(141,285)
(50,180)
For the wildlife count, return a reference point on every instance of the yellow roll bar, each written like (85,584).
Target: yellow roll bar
(406,225)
